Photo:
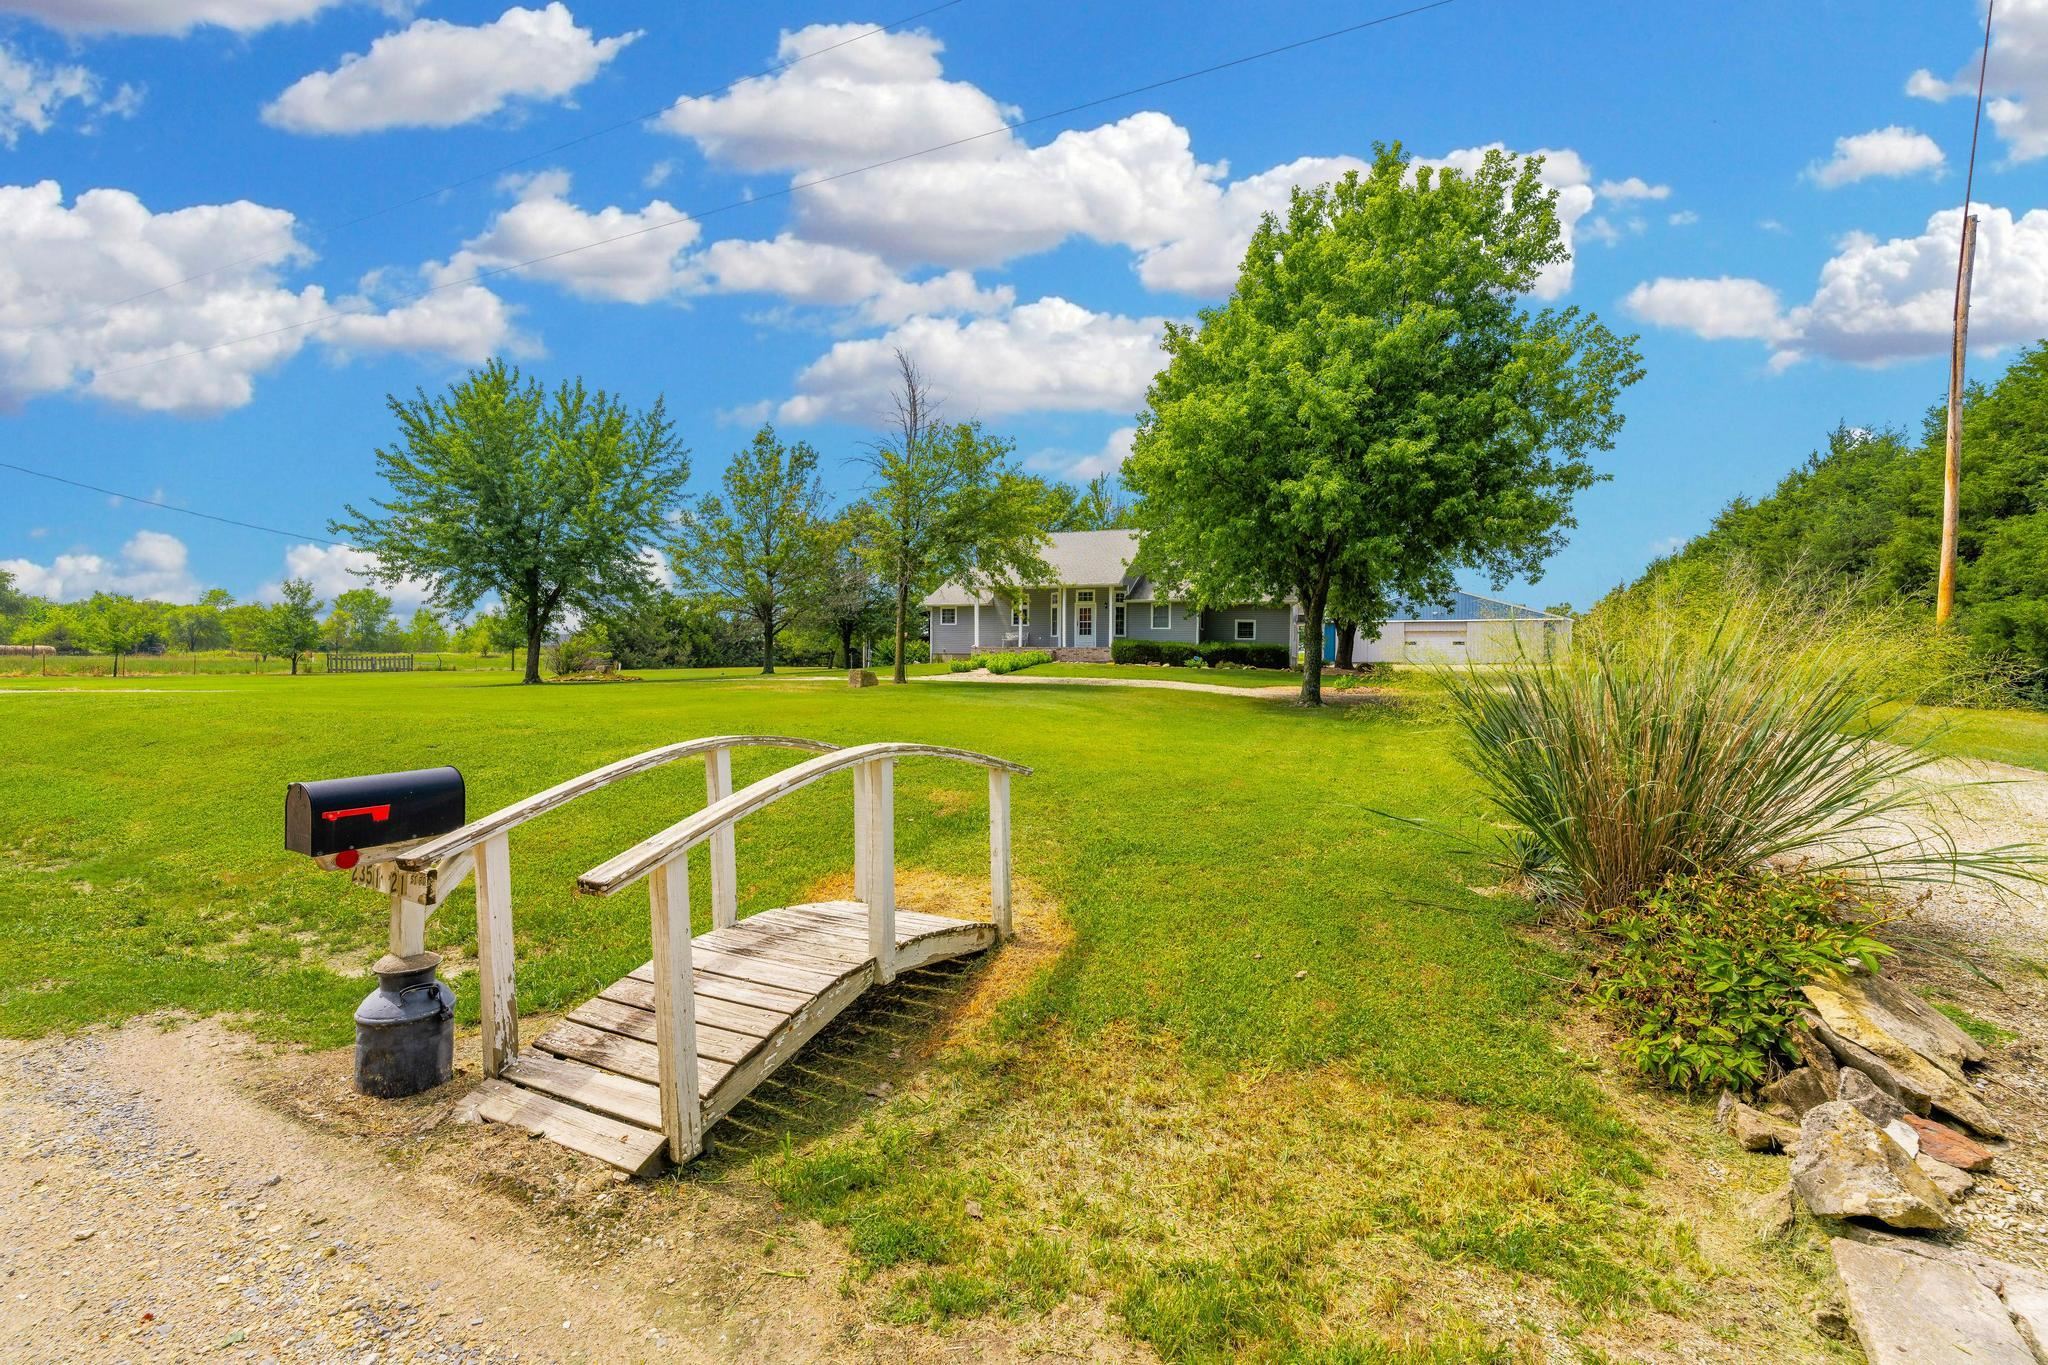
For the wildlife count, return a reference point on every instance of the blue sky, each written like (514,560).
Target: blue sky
(1768,193)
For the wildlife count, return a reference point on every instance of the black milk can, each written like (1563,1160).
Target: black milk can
(405,1029)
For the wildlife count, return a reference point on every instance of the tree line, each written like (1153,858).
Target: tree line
(1865,511)
(122,626)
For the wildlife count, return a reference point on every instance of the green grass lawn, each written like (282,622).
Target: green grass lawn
(2002,735)
(1290,1062)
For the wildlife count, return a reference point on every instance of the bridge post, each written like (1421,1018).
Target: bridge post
(999,849)
(675,1008)
(496,1002)
(725,893)
(874,858)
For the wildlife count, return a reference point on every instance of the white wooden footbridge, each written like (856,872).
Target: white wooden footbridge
(642,1070)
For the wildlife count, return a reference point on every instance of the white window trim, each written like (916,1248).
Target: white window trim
(1086,595)
(1237,628)
(1159,610)
(1020,613)
(949,616)
(1117,616)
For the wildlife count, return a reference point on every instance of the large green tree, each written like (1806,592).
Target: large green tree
(111,623)
(763,548)
(361,620)
(945,501)
(549,501)
(1377,405)
(1097,505)
(291,626)
(852,603)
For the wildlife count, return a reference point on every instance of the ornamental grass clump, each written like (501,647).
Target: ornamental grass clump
(1714,734)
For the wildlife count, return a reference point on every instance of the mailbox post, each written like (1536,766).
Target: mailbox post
(405,1029)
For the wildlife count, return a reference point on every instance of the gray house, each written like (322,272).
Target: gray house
(1466,629)
(1094,599)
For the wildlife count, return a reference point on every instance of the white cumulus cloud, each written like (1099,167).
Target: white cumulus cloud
(151,564)
(93,300)
(1135,183)
(1634,187)
(1079,467)
(1880,301)
(336,569)
(1049,355)
(32,93)
(434,74)
(647,263)
(164,16)
(2016,79)
(1889,152)
(1716,309)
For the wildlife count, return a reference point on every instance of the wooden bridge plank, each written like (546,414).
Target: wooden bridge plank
(725,1014)
(808,977)
(632,1149)
(740,1082)
(776,999)
(716,1043)
(618,1053)
(785,941)
(603,1092)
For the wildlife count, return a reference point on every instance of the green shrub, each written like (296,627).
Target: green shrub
(1706,971)
(1712,736)
(1246,655)
(1171,652)
(1000,663)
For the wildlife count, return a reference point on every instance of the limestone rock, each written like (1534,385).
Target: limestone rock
(1945,1144)
(1914,1081)
(2026,1298)
(1916,1310)
(1899,1131)
(860,677)
(1859,1090)
(1755,1130)
(1798,1090)
(1846,1167)
(1952,1183)
(1812,1052)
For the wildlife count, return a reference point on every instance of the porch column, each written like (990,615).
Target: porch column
(976,609)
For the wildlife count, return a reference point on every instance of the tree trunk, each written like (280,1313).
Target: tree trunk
(533,634)
(295,664)
(902,609)
(117,663)
(1347,636)
(846,647)
(767,647)
(1312,646)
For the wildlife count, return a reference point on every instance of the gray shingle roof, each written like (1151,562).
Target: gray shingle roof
(1088,559)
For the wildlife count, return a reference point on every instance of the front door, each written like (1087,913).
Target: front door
(1084,617)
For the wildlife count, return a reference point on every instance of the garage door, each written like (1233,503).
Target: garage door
(1435,641)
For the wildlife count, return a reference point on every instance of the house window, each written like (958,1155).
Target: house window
(1162,615)
(1117,615)
(1247,628)
(1020,613)
(1085,595)
(949,616)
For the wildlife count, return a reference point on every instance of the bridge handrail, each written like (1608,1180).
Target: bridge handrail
(422,857)
(616,873)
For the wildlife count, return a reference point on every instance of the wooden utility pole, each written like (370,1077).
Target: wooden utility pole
(1952,469)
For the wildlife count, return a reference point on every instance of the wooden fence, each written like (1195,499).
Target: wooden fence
(369,663)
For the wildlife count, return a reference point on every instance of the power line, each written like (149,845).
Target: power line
(793,188)
(153,502)
(578,140)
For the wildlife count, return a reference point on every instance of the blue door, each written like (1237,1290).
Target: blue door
(1329,642)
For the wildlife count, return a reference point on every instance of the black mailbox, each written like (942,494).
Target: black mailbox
(344,813)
